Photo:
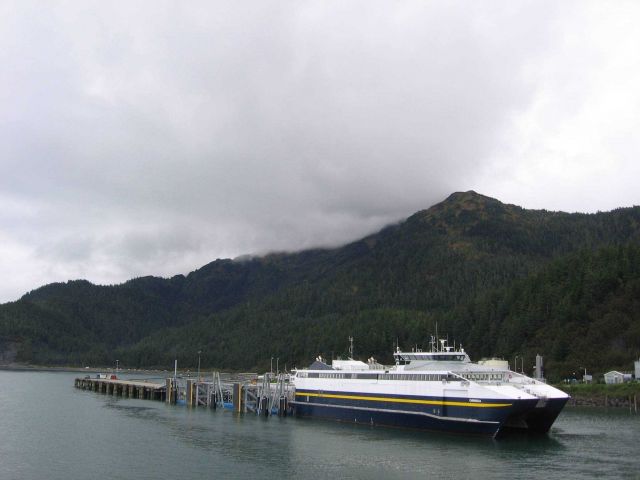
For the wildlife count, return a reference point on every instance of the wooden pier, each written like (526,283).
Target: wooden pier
(125,388)
(264,395)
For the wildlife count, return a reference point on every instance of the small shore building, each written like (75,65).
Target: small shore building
(614,376)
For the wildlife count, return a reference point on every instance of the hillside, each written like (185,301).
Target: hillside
(501,279)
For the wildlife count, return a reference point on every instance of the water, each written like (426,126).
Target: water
(50,430)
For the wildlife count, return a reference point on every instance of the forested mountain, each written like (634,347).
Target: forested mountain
(498,278)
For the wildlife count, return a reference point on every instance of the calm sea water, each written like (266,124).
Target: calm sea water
(50,430)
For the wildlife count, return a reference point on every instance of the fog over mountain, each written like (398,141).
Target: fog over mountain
(154,137)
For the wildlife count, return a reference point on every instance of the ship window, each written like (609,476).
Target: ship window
(366,376)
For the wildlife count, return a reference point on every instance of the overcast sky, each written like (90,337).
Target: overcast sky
(153,137)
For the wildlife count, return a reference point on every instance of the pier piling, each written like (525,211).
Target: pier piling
(123,388)
(243,393)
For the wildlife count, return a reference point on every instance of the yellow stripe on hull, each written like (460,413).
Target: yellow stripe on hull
(405,400)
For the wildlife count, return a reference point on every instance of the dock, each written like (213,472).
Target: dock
(266,394)
(125,388)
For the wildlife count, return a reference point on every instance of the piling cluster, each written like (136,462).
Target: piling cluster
(124,388)
(266,395)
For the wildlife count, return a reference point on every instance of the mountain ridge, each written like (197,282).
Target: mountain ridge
(413,273)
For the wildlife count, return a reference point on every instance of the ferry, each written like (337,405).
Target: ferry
(440,389)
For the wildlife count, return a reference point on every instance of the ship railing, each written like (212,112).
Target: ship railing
(488,377)
(456,377)
(492,377)
(522,379)
(377,366)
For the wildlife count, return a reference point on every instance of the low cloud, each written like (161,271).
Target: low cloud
(155,137)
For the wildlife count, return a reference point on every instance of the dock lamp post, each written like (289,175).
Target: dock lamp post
(117,365)
(199,352)
(515,364)
(271,366)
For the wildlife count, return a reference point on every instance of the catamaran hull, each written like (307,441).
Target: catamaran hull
(398,419)
(538,419)
(453,415)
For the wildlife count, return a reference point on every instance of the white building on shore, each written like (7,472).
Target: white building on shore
(616,377)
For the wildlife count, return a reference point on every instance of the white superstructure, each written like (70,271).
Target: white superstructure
(440,389)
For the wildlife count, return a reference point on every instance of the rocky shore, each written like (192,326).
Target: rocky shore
(620,396)
(604,401)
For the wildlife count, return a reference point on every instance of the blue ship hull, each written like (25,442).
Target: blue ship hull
(536,420)
(457,415)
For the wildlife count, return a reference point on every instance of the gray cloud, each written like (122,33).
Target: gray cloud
(152,138)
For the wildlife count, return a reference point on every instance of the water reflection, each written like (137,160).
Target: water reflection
(128,438)
(226,437)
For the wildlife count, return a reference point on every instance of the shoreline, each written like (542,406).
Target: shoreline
(607,401)
(14,367)
(581,396)
(623,395)
(87,370)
